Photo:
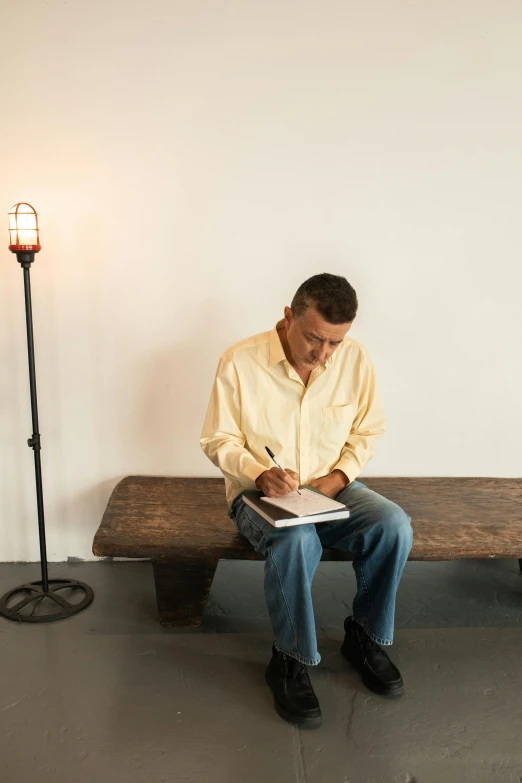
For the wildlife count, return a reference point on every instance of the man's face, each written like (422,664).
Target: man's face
(311,339)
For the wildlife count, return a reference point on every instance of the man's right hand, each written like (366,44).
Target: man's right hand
(275,483)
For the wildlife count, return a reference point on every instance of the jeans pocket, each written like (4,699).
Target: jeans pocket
(246,525)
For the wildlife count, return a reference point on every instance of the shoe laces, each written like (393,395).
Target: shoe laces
(299,670)
(367,643)
(295,668)
(372,645)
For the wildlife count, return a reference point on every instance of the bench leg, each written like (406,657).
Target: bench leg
(182,589)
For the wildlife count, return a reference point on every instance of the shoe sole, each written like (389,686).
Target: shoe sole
(302,723)
(387,693)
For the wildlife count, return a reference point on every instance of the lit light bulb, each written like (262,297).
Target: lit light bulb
(23,229)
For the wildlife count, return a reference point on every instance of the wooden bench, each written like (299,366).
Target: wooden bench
(182,525)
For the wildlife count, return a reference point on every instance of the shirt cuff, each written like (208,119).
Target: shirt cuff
(253,470)
(350,469)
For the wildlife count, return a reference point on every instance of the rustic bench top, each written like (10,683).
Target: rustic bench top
(167,518)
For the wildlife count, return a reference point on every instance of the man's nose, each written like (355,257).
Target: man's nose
(322,354)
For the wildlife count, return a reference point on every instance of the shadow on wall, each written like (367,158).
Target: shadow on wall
(151,426)
(176,386)
(157,422)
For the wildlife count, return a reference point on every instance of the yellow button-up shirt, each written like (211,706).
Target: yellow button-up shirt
(259,400)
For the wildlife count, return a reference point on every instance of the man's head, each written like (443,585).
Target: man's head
(319,317)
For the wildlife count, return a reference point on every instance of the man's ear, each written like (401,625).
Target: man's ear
(289,316)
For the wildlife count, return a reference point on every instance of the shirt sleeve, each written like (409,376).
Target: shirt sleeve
(222,439)
(368,426)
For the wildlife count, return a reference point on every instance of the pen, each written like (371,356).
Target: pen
(271,455)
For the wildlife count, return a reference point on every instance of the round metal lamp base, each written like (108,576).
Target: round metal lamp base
(43,607)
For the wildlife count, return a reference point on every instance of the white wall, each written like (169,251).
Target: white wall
(192,162)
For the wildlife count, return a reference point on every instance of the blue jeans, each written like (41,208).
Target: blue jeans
(377,531)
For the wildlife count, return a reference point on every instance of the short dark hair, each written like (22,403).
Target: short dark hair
(332,296)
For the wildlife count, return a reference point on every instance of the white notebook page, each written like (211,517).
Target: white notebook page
(308,502)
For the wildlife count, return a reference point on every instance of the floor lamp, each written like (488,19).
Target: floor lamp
(27,602)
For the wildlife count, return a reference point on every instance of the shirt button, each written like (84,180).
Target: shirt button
(304,426)
(304,453)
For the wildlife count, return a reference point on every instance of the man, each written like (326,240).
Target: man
(308,392)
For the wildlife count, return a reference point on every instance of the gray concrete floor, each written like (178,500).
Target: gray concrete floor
(111,696)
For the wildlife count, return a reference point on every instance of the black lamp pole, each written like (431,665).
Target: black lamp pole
(22,602)
(26,259)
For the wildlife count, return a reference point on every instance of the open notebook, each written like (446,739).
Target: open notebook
(310,506)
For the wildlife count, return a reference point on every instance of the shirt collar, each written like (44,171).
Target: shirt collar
(277,353)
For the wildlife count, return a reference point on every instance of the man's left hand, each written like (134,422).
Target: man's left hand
(332,484)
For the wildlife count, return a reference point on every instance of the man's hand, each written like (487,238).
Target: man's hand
(275,483)
(332,484)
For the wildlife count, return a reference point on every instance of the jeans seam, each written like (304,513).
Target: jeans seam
(238,510)
(298,657)
(252,525)
(272,558)
(377,639)
(367,592)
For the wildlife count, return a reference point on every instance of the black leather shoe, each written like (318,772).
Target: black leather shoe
(294,697)
(378,673)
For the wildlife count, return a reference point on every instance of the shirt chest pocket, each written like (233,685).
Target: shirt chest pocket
(337,425)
